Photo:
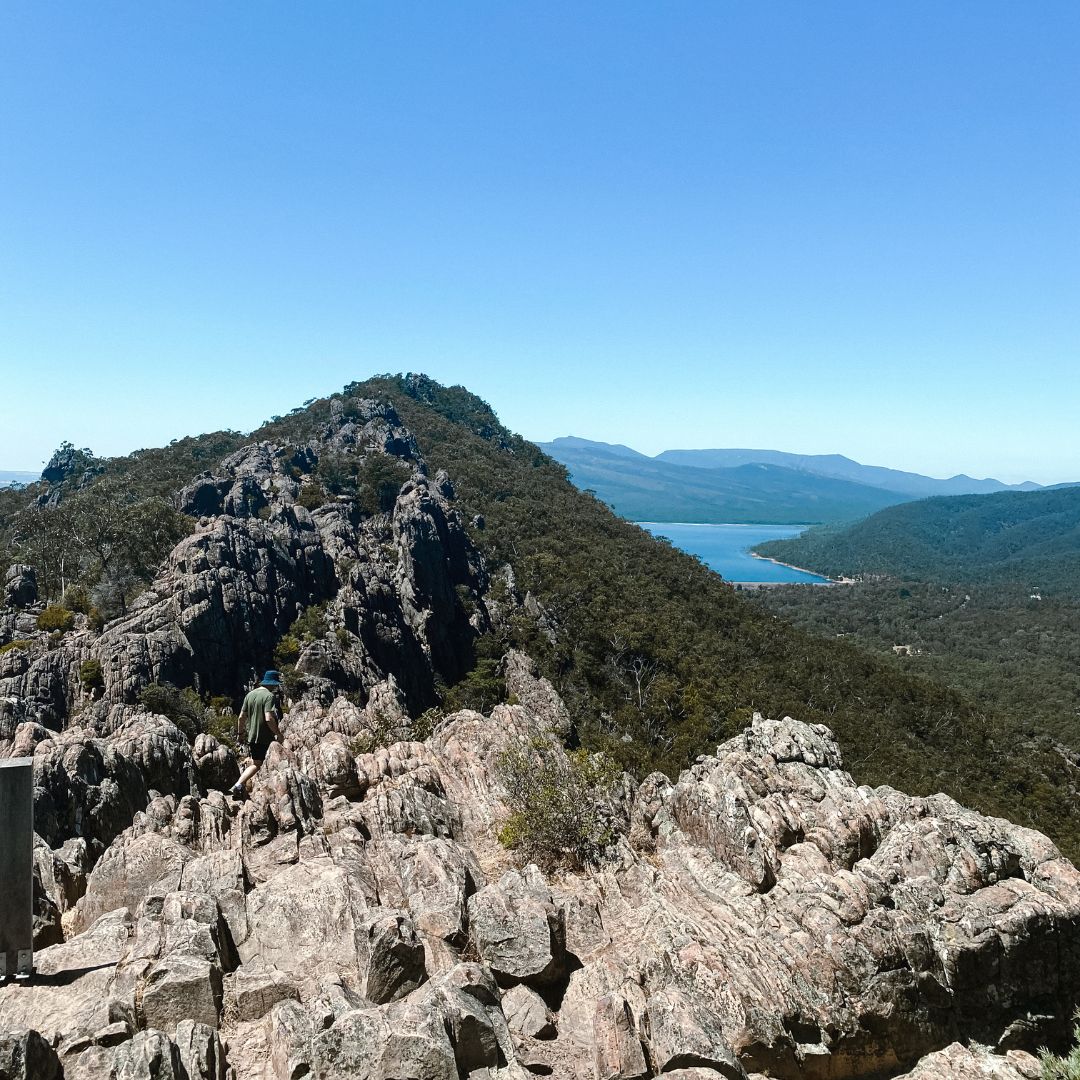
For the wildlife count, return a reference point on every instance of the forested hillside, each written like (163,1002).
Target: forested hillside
(1013,652)
(1028,537)
(657,657)
(981,593)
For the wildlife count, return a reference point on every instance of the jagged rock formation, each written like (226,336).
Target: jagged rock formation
(760,915)
(357,917)
(257,558)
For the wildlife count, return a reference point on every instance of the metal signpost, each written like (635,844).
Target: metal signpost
(16,867)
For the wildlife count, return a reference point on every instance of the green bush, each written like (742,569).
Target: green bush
(55,617)
(183,707)
(561,805)
(287,652)
(223,728)
(482,689)
(18,643)
(380,478)
(76,598)
(1063,1068)
(311,623)
(312,495)
(91,676)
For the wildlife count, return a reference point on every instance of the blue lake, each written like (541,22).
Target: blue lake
(725,549)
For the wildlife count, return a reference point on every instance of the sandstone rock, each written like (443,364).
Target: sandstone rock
(25,1055)
(201,1052)
(150,1055)
(617,1049)
(256,988)
(527,1013)
(128,872)
(518,930)
(20,586)
(682,1034)
(215,763)
(69,994)
(957,1062)
(394,961)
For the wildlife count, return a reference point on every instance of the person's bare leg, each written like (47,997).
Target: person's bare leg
(245,776)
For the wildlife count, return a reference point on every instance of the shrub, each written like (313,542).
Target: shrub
(55,617)
(312,495)
(287,652)
(1063,1068)
(76,598)
(182,707)
(223,727)
(482,689)
(18,643)
(380,478)
(561,805)
(91,676)
(311,623)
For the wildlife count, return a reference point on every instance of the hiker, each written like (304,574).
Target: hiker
(262,713)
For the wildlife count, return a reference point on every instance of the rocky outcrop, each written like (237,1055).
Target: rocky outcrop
(957,1062)
(20,586)
(356,917)
(399,591)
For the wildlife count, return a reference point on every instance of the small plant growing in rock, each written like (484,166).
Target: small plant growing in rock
(56,618)
(18,643)
(561,805)
(286,652)
(91,676)
(76,598)
(1063,1068)
(312,495)
(182,707)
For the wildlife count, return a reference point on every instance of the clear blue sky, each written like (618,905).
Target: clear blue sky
(817,227)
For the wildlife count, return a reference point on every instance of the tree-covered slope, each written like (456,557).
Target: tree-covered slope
(1031,538)
(647,489)
(1013,652)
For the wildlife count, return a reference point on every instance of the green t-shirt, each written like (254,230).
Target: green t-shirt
(256,705)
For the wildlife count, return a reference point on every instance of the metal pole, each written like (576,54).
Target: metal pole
(16,867)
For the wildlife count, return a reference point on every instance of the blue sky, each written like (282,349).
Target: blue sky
(831,227)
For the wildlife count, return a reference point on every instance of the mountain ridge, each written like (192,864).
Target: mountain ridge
(836,466)
(450,616)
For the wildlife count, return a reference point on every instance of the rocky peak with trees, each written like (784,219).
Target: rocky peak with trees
(461,859)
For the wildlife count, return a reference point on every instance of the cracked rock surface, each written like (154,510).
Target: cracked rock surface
(771,918)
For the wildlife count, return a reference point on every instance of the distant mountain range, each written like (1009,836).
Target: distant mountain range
(767,486)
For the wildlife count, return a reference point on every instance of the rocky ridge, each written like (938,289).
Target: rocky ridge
(760,915)
(356,917)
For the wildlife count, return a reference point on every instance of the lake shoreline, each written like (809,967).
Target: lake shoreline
(726,550)
(802,570)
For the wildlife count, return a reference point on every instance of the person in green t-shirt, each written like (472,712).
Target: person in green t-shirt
(257,724)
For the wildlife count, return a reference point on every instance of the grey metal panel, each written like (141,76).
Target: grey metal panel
(17,863)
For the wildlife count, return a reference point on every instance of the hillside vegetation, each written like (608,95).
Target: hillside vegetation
(656,656)
(1009,651)
(1026,537)
(977,592)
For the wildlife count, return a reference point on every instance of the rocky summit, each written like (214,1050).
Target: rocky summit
(366,912)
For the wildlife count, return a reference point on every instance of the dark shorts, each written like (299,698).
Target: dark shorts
(261,745)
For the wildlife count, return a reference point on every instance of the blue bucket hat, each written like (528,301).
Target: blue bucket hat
(271,678)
